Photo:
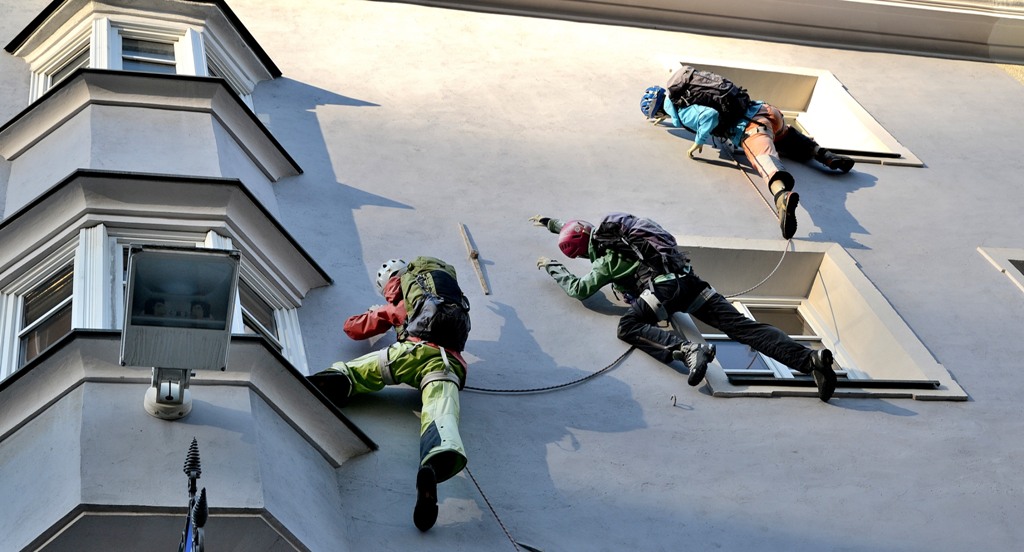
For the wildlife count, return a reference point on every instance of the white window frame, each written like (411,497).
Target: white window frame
(818,104)
(247,318)
(879,355)
(12,302)
(776,368)
(98,289)
(195,51)
(59,56)
(1003,258)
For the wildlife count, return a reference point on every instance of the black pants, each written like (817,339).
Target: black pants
(639,325)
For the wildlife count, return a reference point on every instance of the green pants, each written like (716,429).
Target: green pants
(408,363)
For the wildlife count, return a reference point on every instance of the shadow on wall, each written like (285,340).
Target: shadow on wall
(540,426)
(318,210)
(823,193)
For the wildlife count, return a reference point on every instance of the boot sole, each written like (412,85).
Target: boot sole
(697,374)
(787,223)
(425,513)
(825,379)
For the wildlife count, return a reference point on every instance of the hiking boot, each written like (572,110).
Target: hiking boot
(334,385)
(786,203)
(824,376)
(696,357)
(425,513)
(834,161)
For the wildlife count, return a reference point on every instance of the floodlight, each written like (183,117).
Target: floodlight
(178,308)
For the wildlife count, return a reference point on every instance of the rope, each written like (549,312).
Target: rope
(728,151)
(766,278)
(491,508)
(553,387)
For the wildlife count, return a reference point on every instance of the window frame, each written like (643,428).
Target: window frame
(12,303)
(876,352)
(775,368)
(65,304)
(1003,259)
(197,52)
(251,320)
(818,104)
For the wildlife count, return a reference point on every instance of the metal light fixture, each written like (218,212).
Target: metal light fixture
(178,314)
(168,397)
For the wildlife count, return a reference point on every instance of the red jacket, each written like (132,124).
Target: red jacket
(379,320)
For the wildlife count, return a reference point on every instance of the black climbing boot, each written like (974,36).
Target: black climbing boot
(833,161)
(334,385)
(425,514)
(696,357)
(785,204)
(824,376)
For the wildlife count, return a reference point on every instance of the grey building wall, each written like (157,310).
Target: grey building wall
(407,120)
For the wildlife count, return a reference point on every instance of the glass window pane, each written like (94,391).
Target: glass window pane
(146,49)
(147,56)
(735,357)
(133,65)
(46,333)
(47,295)
(256,307)
(786,319)
(81,60)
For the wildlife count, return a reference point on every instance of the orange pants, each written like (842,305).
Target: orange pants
(765,128)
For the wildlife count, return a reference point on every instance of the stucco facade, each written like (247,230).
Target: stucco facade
(389,126)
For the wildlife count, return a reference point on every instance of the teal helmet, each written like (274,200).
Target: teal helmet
(653,101)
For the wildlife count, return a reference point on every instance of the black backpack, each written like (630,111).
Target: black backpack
(692,86)
(437,310)
(643,239)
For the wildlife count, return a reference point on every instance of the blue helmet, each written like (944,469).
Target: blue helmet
(653,101)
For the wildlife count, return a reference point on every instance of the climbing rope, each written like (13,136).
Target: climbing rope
(553,387)
(515,544)
(729,151)
(766,278)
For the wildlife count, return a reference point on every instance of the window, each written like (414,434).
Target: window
(257,315)
(147,55)
(816,102)
(46,314)
(819,297)
(1018,264)
(1009,261)
(739,361)
(122,41)
(77,62)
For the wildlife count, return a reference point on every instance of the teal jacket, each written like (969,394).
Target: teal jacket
(605,268)
(702,120)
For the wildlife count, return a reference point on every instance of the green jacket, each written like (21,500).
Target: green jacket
(606,267)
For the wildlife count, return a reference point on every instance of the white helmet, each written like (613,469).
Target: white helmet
(387,270)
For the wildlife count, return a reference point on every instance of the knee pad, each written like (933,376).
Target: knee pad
(794,145)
